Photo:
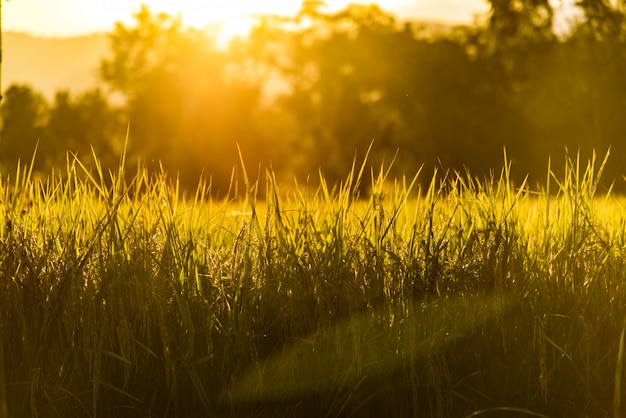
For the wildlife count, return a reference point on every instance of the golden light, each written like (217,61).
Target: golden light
(234,18)
(199,13)
(234,27)
(75,17)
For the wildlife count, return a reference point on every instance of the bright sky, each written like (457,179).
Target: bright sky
(73,17)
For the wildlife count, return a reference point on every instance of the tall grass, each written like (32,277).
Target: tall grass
(125,297)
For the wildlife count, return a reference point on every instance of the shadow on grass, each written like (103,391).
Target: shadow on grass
(347,368)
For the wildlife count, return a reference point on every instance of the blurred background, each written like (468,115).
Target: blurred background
(306,89)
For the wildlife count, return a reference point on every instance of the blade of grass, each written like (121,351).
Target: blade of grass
(617,395)
(3,393)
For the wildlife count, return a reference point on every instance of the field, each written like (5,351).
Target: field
(124,297)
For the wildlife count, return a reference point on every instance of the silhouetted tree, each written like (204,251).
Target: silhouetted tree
(561,93)
(188,103)
(336,69)
(596,54)
(520,22)
(357,76)
(23,122)
(79,125)
(603,20)
(320,86)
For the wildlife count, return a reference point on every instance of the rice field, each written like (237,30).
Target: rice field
(125,297)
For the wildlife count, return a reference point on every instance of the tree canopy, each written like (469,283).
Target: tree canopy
(307,92)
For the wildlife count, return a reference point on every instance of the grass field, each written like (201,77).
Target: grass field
(121,297)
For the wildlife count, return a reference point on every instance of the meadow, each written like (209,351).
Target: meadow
(122,296)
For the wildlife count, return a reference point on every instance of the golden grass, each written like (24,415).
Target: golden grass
(125,297)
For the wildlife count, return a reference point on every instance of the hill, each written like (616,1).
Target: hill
(52,64)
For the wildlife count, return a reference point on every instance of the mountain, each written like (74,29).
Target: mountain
(52,64)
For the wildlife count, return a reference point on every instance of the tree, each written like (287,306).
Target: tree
(597,64)
(357,75)
(187,102)
(336,68)
(23,122)
(520,22)
(604,21)
(82,124)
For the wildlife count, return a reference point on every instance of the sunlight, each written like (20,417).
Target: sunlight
(234,17)
(235,27)
(79,17)
(199,13)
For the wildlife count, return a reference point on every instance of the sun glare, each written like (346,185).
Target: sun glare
(234,18)
(79,17)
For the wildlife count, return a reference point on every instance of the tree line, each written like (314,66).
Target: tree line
(305,93)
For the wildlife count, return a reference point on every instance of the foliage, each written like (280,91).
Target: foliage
(69,125)
(186,102)
(82,126)
(441,296)
(454,98)
(304,93)
(357,76)
(24,115)
(520,23)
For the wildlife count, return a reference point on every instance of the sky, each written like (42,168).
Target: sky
(60,18)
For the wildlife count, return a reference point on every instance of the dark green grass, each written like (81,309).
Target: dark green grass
(123,298)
